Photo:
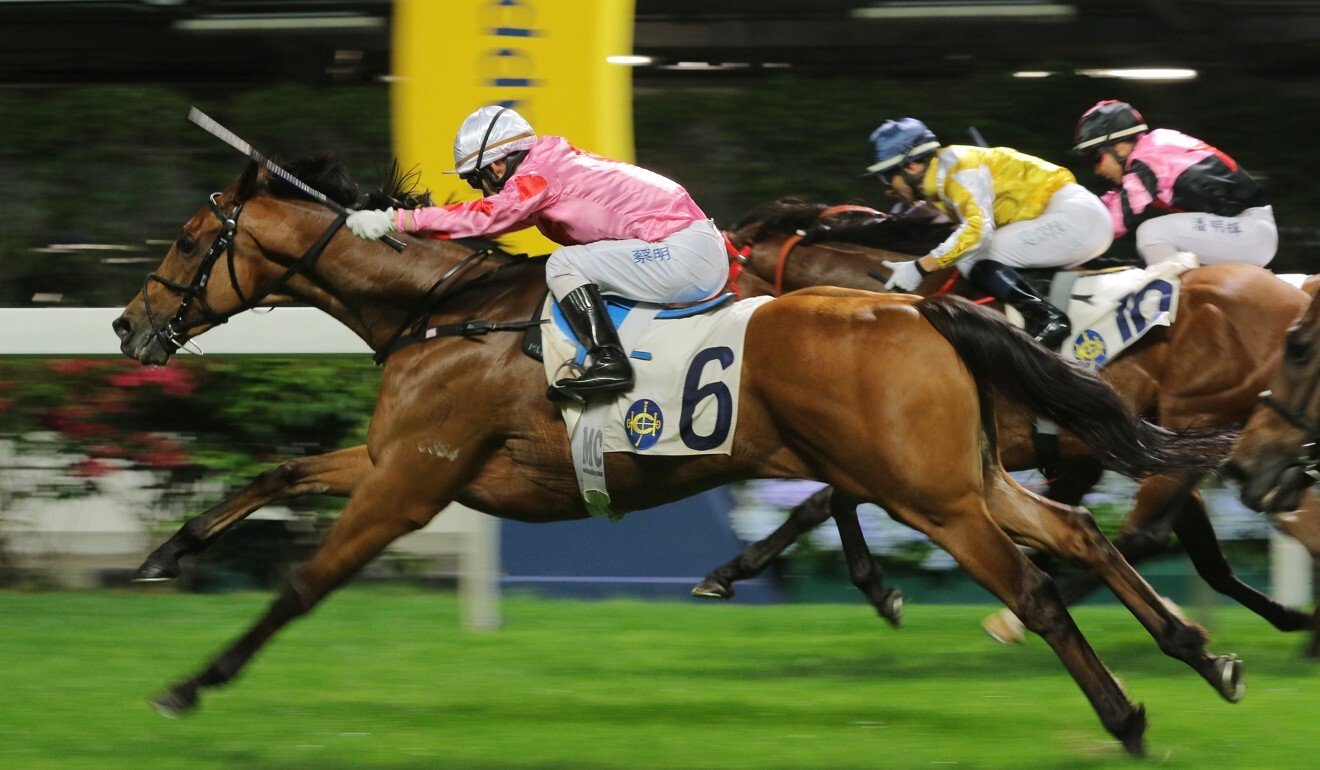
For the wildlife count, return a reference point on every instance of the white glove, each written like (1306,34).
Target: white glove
(904,276)
(371,224)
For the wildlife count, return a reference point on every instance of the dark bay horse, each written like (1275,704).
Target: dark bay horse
(1204,370)
(465,418)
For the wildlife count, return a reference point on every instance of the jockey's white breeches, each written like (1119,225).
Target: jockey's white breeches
(688,266)
(1074,227)
(1250,237)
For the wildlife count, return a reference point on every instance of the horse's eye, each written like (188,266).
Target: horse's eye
(185,245)
(1297,349)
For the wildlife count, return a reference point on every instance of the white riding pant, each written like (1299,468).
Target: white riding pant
(1074,227)
(1250,237)
(688,266)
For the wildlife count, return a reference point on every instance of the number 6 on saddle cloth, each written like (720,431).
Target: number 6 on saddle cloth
(687,362)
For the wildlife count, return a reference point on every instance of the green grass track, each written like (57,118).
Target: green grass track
(383,678)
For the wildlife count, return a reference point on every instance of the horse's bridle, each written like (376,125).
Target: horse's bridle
(1308,459)
(175,332)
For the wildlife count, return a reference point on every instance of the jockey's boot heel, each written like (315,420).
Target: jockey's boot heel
(609,370)
(1045,322)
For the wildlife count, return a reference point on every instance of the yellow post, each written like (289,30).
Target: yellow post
(544,58)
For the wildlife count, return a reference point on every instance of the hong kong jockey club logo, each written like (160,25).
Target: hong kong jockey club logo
(1090,348)
(643,423)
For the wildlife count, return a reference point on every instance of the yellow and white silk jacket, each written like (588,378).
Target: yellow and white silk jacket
(984,188)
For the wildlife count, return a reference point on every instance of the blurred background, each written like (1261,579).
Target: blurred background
(741,101)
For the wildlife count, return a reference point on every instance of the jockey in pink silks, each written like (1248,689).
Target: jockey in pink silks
(622,230)
(1175,191)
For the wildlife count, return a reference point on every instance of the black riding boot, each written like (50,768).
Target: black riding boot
(1048,324)
(609,369)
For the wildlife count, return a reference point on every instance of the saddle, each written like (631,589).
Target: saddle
(619,308)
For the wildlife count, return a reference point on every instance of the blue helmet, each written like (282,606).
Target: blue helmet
(899,141)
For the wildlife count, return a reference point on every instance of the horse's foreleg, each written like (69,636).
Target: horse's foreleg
(864,572)
(1072,534)
(990,558)
(386,505)
(1197,536)
(810,513)
(333,473)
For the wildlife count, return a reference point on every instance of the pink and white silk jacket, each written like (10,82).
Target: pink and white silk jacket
(571,196)
(1169,171)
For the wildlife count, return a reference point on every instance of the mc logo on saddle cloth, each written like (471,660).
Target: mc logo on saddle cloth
(688,368)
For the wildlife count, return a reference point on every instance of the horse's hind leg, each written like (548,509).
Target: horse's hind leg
(1076,477)
(385,506)
(333,473)
(1072,534)
(810,513)
(990,558)
(864,572)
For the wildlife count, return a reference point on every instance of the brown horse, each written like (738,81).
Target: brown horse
(1205,370)
(1276,460)
(465,418)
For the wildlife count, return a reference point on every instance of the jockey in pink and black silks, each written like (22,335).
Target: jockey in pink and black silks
(623,230)
(1175,192)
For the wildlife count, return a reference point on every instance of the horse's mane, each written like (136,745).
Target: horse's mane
(782,215)
(903,234)
(398,189)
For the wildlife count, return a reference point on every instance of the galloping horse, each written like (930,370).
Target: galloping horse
(465,418)
(1277,461)
(1205,370)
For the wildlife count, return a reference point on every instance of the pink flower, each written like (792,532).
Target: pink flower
(90,468)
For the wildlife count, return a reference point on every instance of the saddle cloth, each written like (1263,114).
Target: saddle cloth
(688,368)
(1111,309)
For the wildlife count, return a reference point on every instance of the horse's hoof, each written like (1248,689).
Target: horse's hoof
(712,589)
(1228,678)
(1004,627)
(891,608)
(1133,732)
(175,703)
(156,570)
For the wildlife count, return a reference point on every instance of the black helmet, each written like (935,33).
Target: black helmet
(1105,123)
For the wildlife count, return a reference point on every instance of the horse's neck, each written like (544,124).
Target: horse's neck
(374,292)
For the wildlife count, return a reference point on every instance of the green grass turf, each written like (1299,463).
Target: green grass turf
(382,678)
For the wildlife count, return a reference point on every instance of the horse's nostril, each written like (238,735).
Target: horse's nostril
(1233,471)
(123,327)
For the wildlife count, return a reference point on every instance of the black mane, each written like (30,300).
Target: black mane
(399,190)
(783,215)
(916,234)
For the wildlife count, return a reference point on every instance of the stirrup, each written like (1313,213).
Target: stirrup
(1054,333)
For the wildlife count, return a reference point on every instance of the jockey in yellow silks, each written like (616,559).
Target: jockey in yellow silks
(1012,209)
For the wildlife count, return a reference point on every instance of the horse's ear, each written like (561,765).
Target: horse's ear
(249,181)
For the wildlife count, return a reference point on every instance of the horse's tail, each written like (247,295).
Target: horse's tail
(1004,360)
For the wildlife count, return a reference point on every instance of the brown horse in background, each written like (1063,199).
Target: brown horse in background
(1276,462)
(1204,370)
(465,417)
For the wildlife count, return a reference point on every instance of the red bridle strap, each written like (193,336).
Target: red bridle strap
(793,240)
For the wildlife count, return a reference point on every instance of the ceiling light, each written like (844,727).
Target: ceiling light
(1142,73)
(1021,9)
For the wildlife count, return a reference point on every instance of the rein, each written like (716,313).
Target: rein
(174,335)
(796,238)
(1308,459)
(401,338)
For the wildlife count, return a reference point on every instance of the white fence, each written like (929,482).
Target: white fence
(471,537)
